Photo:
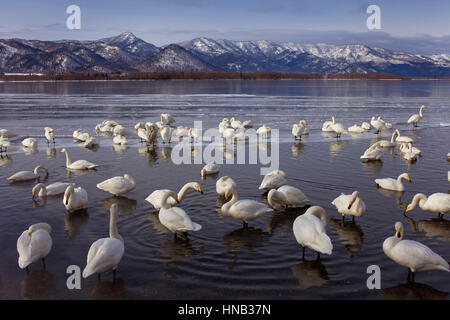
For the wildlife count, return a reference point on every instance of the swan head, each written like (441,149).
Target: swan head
(63,150)
(423,107)
(36,170)
(196,186)
(355,195)
(399,230)
(37,226)
(405,176)
(69,191)
(303,122)
(36,189)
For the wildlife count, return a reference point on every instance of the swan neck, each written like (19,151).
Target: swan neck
(68,161)
(393,135)
(227,205)
(418,198)
(184,190)
(113,231)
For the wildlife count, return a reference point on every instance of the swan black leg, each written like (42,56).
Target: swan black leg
(114,275)
(43,262)
(303,254)
(28,270)
(99,277)
(353,219)
(318,255)
(245,225)
(343,218)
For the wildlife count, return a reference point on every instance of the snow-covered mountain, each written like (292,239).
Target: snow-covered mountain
(126,52)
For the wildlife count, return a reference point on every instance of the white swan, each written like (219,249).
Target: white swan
(407,153)
(120,130)
(176,219)
(166,134)
(50,190)
(167,119)
(337,127)
(299,129)
(118,185)
(386,143)
(350,205)
(75,198)
(79,164)
(412,254)
(408,147)
(356,129)
(90,142)
(30,143)
(105,253)
(120,140)
(365,125)
(392,184)
(34,244)
(437,202)
(28,175)
(377,124)
(373,153)
(156,197)
(326,126)
(4,144)
(415,118)
(245,210)
(6,133)
(80,136)
(49,134)
(309,231)
(224,184)
(402,139)
(286,196)
(210,168)
(264,130)
(273,180)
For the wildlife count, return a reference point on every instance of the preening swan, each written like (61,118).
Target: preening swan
(309,231)
(49,134)
(337,127)
(365,125)
(412,254)
(377,124)
(157,196)
(210,168)
(326,127)
(105,253)
(415,118)
(245,210)
(79,164)
(300,129)
(273,180)
(224,184)
(407,153)
(350,205)
(286,196)
(386,143)
(30,143)
(407,147)
(120,139)
(166,134)
(118,185)
(176,219)
(28,175)
(4,144)
(6,133)
(34,244)
(356,129)
(437,202)
(264,130)
(167,119)
(392,184)
(373,154)
(75,198)
(80,136)
(50,190)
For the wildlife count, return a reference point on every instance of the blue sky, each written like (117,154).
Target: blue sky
(409,25)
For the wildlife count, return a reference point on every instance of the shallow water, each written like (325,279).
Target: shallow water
(223,260)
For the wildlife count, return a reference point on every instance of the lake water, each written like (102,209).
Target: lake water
(223,260)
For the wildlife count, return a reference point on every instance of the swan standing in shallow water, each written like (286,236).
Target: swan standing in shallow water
(407,153)
(166,134)
(415,118)
(402,139)
(4,144)
(326,127)
(407,147)
(299,129)
(386,143)
(74,198)
(118,185)
(273,180)
(176,219)
(157,196)
(49,135)
(264,130)
(245,210)
(51,190)
(286,196)
(105,253)
(210,168)
(392,184)
(309,231)
(373,154)
(79,164)
(412,254)
(350,205)
(437,202)
(338,128)
(224,185)
(377,124)
(28,175)
(34,244)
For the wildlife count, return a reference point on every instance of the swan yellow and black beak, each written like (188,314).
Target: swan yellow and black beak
(66,200)
(409,179)
(398,233)
(30,233)
(33,194)
(199,189)
(226,196)
(177,200)
(350,205)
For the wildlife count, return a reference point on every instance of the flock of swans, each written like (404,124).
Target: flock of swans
(309,229)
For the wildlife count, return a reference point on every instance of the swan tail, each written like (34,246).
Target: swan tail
(196,226)
(324,244)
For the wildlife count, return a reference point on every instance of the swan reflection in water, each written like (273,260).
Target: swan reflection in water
(157,225)
(298,148)
(92,148)
(120,148)
(336,146)
(151,152)
(310,274)
(30,151)
(284,219)
(5,160)
(243,239)
(109,290)
(73,221)
(176,250)
(51,153)
(125,205)
(350,234)
(37,284)
(397,195)
(412,291)
(373,167)
(166,153)
(437,228)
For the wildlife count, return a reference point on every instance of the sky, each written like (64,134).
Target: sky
(406,25)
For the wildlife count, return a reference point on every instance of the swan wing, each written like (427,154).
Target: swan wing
(104,254)
(439,202)
(155,198)
(176,219)
(248,209)
(57,188)
(116,185)
(417,256)
(272,181)
(82,164)
(23,243)
(292,195)
(40,245)
(23,175)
